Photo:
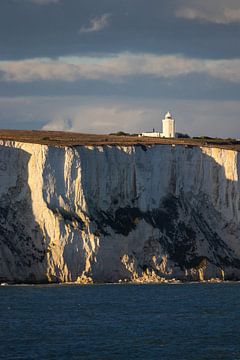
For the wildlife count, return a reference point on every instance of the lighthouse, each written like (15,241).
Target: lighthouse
(168,126)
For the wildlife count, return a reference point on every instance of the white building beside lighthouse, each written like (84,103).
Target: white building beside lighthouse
(168,128)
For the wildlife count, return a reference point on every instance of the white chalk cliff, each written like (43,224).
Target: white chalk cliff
(112,213)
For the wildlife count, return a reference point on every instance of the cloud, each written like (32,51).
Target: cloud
(98,118)
(44,2)
(117,68)
(214,11)
(40,2)
(96,24)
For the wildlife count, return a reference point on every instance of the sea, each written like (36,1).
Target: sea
(112,322)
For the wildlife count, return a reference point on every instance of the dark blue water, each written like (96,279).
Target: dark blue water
(107,322)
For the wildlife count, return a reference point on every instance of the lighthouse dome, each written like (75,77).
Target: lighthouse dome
(168,115)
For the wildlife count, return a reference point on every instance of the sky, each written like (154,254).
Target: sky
(100,66)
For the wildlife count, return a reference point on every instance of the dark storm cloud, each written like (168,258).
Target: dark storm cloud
(121,77)
(183,87)
(30,30)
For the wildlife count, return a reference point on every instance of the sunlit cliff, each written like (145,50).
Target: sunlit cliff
(118,213)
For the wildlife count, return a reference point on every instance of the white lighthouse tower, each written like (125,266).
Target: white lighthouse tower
(168,126)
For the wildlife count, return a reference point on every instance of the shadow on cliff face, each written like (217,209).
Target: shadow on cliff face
(192,231)
(22,245)
(184,223)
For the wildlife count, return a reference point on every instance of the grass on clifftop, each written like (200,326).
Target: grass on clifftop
(60,138)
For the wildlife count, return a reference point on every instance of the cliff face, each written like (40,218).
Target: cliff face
(112,213)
